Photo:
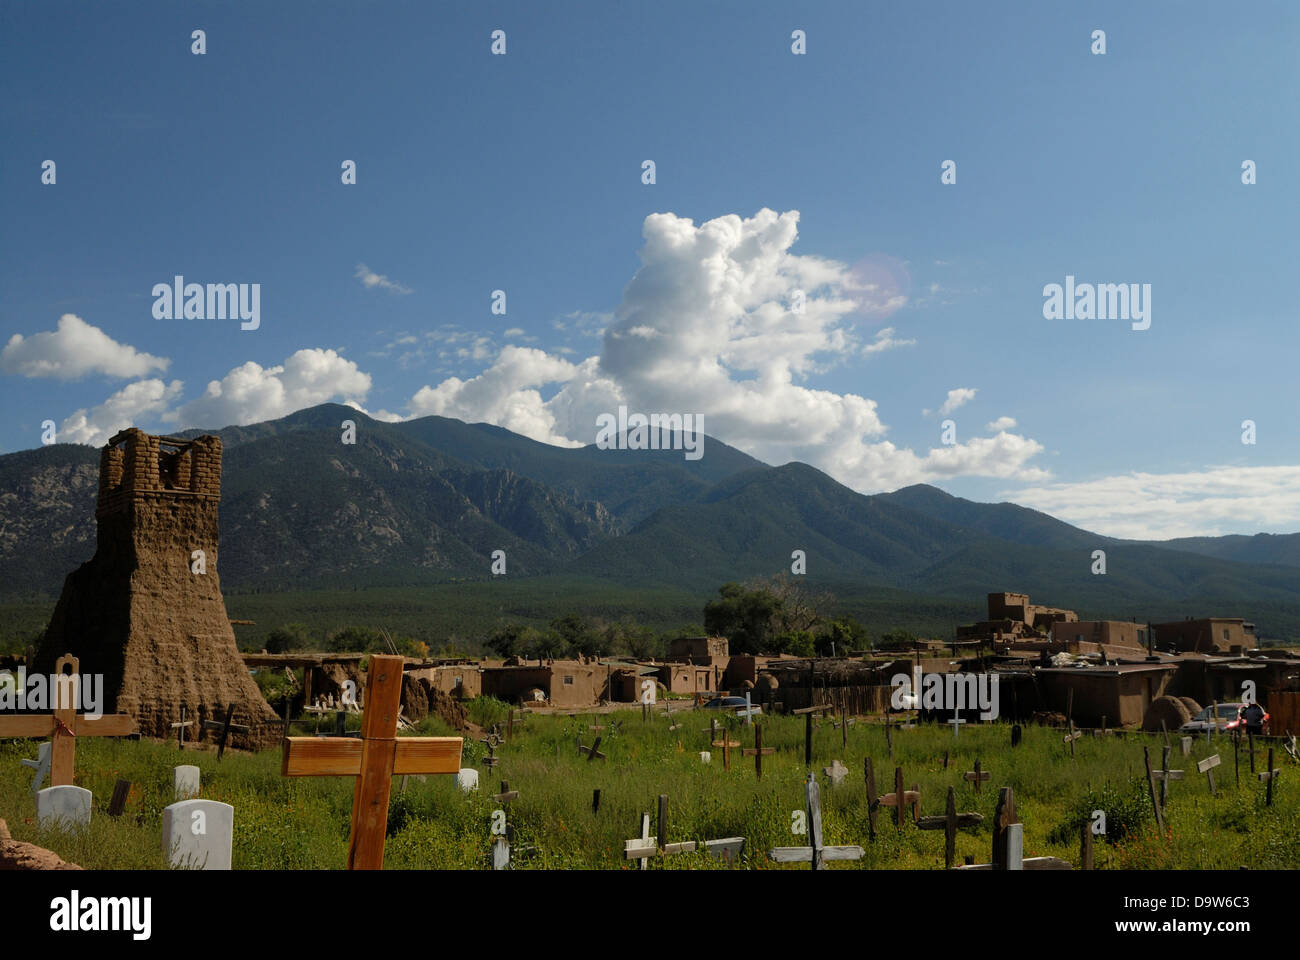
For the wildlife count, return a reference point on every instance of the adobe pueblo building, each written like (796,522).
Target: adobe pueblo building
(144,611)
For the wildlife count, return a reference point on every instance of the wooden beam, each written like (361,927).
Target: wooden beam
(341,757)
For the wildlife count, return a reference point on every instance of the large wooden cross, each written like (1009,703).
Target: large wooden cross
(64,725)
(817,853)
(373,760)
(1009,841)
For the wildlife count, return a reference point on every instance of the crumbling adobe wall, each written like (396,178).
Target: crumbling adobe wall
(135,612)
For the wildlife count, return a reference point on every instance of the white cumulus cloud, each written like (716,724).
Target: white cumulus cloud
(73,350)
(1000,424)
(250,392)
(142,400)
(707,326)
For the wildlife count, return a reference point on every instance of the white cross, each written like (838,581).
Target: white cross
(41,765)
(956,722)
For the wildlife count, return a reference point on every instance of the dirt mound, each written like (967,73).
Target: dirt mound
(415,698)
(15,855)
(447,709)
(1169,709)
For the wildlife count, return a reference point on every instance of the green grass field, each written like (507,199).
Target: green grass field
(303,823)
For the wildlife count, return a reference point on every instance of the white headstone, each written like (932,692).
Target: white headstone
(1015,846)
(467,779)
(705,756)
(199,834)
(65,807)
(41,765)
(187,782)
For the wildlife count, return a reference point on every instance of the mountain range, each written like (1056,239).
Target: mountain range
(427,501)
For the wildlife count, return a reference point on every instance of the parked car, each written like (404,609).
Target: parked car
(1227,720)
(730,703)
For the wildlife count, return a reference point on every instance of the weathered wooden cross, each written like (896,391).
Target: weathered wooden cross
(1151,787)
(1009,841)
(949,823)
(1269,776)
(180,729)
(1165,775)
(226,728)
(593,751)
(976,776)
(647,846)
(817,853)
(758,751)
(901,799)
(491,760)
(1071,737)
(726,743)
(64,725)
(373,760)
(506,794)
(1206,767)
(808,731)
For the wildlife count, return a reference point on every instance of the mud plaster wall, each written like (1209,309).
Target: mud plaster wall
(134,612)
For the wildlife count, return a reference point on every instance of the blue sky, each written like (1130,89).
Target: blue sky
(523,173)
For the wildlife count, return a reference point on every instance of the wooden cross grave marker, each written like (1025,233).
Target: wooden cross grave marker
(901,799)
(1269,776)
(226,728)
(817,853)
(1009,842)
(180,729)
(506,794)
(646,846)
(491,760)
(808,731)
(726,743)
(64,725)
(1072,736)
(593,751)
(1206,767)
(1165,775)
(1151,787)
(373,760)
(758,751)
(949,823)
(976,776)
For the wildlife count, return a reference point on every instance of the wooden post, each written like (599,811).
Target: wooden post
(1269,776)
(595,801)
(120,792)
(1250,743)
(1085,846)
(872,802)
(1236,756)
(1151,786)
(807,735)
(889,737)
(899,795)
(1004,815)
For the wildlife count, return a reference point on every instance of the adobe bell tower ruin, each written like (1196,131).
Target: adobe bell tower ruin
(140,612)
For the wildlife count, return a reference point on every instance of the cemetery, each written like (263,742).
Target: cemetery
(177,761)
